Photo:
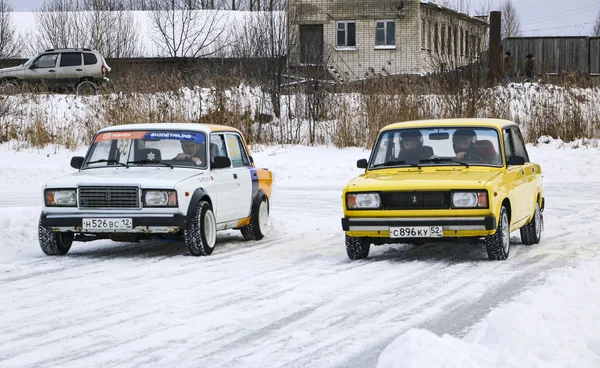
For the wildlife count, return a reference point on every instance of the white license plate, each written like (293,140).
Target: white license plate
(416,232)
(106,224)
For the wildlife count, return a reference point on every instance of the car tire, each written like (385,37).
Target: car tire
(200,234)
(532,232)
(259,221)
(10,87)
(498,245)
(357,248)
(54,243)
(86,88)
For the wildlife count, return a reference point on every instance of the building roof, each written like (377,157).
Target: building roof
(454,12)
(447,123)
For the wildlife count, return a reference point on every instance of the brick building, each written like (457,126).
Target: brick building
(358,39)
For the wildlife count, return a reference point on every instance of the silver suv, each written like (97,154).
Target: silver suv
(83,70)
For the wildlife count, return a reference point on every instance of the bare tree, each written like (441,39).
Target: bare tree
(102,25)
(264,35)
(596,31)
(110,29)
(484,7)
(182,31)
(9,42)
(511,22)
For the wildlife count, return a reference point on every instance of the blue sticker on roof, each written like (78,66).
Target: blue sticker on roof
(181,136)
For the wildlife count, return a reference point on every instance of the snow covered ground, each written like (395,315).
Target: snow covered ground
(294,299)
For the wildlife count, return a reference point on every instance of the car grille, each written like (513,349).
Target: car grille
(415,200)
(109,197)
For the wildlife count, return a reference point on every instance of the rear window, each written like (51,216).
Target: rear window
(70,59)
(89,59)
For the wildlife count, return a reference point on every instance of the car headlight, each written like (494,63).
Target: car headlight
(61,197)
(469,200)
(160,198)
(355,201)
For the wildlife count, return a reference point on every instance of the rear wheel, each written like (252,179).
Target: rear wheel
(54,243)
(259,221)
(532,232)
(357,248)
(200,234)
(86,88)
(498,245)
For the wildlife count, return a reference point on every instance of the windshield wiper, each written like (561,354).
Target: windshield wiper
(395,163)
(440,159)
(110,161)
(141,162)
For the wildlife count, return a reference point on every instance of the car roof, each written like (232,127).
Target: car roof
(471,122)
(194,127)
(70,49)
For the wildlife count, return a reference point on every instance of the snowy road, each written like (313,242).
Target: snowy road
(292,300)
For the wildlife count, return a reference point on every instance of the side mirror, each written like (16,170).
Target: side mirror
(516,161)
(221,162)
(77,162)
(362,164)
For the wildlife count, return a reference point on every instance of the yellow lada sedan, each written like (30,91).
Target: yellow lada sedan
(445,180)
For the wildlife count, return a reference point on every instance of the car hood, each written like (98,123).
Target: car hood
(12,69)
(423,179)
(146,177)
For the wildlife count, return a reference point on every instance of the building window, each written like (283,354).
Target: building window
(429,35)
(423,34)
(436,37)
(346,34)
(456,42)
(385,33)
(443,39)
(467,39)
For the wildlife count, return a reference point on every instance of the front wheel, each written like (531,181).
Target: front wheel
(259,221)
(200,234)
(54,243)
(357,248)
(498,245)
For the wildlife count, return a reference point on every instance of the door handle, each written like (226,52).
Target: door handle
(52,71)
(79,70)
(235,176)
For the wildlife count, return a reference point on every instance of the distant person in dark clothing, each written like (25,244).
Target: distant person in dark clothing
(509,67)
(529,67)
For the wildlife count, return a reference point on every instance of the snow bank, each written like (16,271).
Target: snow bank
(549,326)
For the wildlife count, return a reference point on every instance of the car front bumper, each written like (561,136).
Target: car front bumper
(452,226)
(146,224)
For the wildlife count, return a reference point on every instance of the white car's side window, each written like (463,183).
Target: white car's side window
(237,151)
(217,146)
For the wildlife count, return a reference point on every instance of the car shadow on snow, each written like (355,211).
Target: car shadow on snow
(435,252)
(106,249)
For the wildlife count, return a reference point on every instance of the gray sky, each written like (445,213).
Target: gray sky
(538,17)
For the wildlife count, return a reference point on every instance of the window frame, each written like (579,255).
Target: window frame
(385,46)
(70,53)
(518,140)
(45,67)
(242,147)
(345,46)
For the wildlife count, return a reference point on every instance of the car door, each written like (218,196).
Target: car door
(514,180)
(528,172)
(70,68)
(242,173)
(42,70)
(226,183)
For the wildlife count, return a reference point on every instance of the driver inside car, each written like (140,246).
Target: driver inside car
(464,142)
(192,151)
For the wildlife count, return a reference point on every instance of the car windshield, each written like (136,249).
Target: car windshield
(30,60)
(148,148)
(468,146)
